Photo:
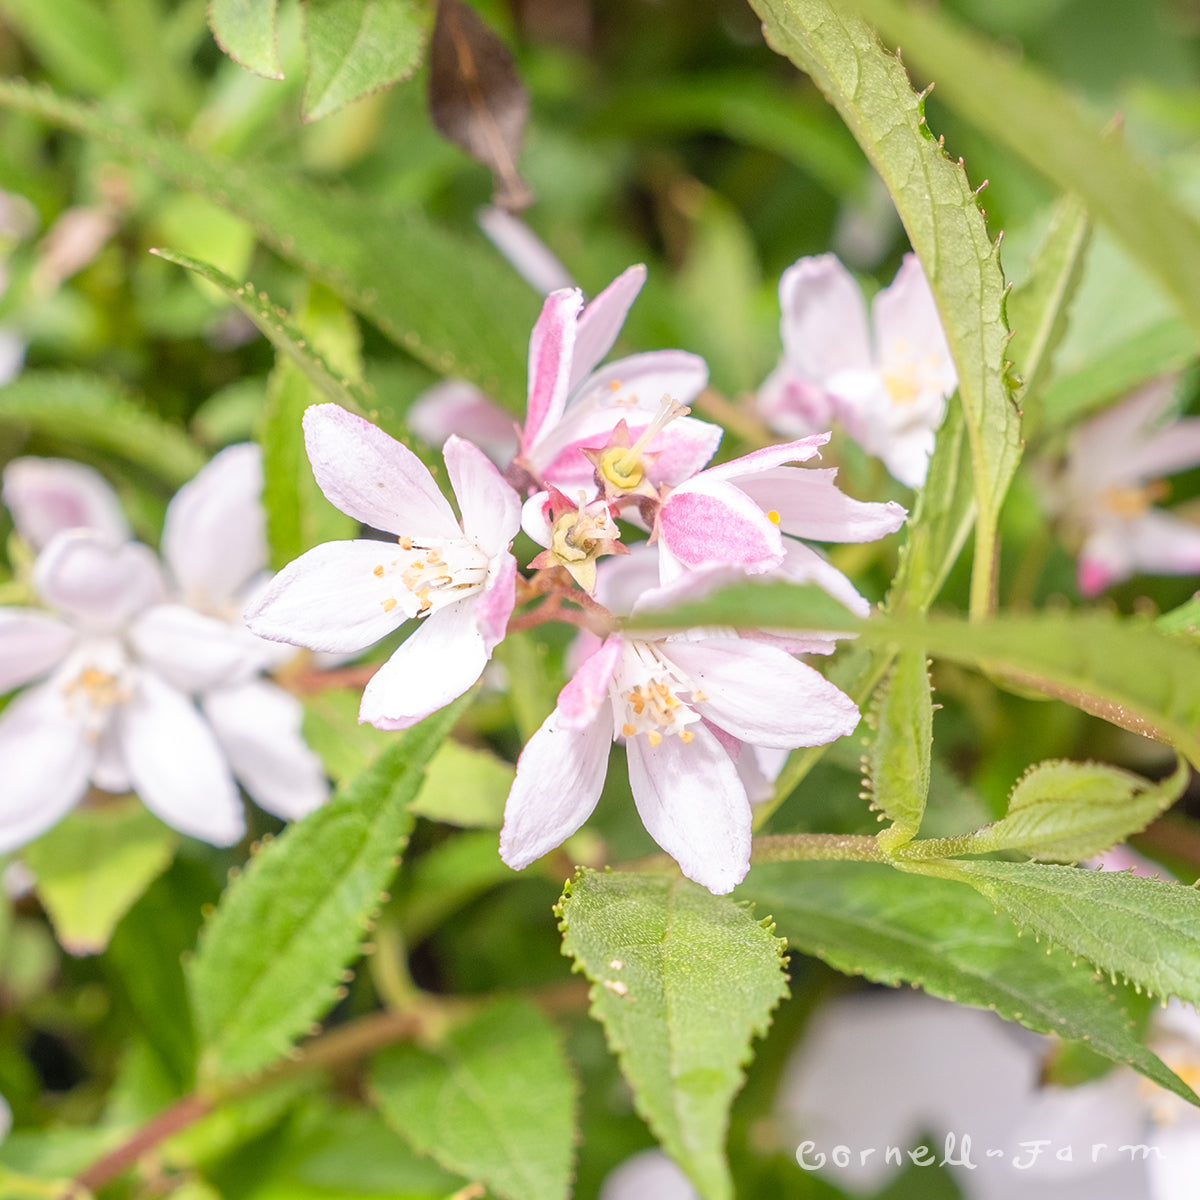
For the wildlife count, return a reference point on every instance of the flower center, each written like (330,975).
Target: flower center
(652,698)
(624,466)
(428,576)
(1130,502)
(93,692)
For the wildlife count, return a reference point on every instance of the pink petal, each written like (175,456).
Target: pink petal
(372,477)
(48,495)
(31,643)
(768,458)
(1163,544)
(551,348)
(454,406)
(97,582)
(215,534)
(580,701)
(560,775)
(494,605)
(713,523)
(47,758)
(1174,448)
(810,505)
(194,652)
(439,661)
(640,382)
(692,802)
(491,510)
(793,406)
(762,695)
(601,321)
(176,765)
(331,599)
(526,253)
(824,321)
(908,327)
(257,725)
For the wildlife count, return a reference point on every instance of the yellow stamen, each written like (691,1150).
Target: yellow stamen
(654,737)
(627,730)
(774,517)
(686,736)
(388,604)
(379,571)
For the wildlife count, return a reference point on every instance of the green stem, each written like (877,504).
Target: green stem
(984,566)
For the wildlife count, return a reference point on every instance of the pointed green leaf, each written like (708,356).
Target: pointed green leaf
(894,928)
(1145,930)
(898,761)
(682,981)
(494,1101)
(1038,309)
(1068,811)
(275,323)
(245,30)
(93,865)
(445,297)
(871,91)
(359,46)
(1032,114)
(271,958)
(91,411)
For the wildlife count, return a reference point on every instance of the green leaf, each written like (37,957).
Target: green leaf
(245,30)
(1145,930)
(271,959)
(331,728)
(682,981)
(1037,310)
(465,786)
(896,928)
(1069,811)
(444,297)
(359,46)
(938,208)
(90,411)
(1033,116)
(277,326)
(74,39)
(93,865)
(494,1101)
(898,761)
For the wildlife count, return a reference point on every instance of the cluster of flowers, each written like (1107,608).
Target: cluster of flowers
(144,676)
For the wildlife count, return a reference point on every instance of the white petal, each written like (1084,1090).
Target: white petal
(97,582)
(802,564)
(560,775)
(176,766)
(45,761)
(194,652)
(692,802)
(601,321)
(648,1175)
(215,534)
(48,495)
(491,510)
(258,728)
(330,599)
(824,321)
(762,695)
(443,657)
(810,505)
(527,254)
(372,477)
(908,327)
(31,643)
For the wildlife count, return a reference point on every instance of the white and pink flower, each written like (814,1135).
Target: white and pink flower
(459,579)
(1105,491)
(688,707)
(885,380)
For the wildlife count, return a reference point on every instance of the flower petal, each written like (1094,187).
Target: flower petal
(491,510)
(707,523)
(455,406)
(802,564)
(601,321)
(761,694)
(372,477)
(649,1173)
(526,253)
(551,347)
(97,582)
(330,599)
(257,725)
(176,765)
(31,643)
(215,533)
(810,505)
(560,775)
(440,659)
(793,406)
(769,458)
(824,319)
(48,495)
(692,802)
(494,605)
(47,759)
(908,327)
(587,690)
(194,652)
